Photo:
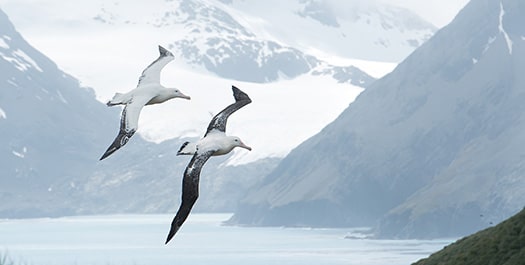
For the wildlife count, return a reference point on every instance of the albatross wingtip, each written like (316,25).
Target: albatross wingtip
(164,52)
(107,153)
(171,234)
(168,239)
(239,94)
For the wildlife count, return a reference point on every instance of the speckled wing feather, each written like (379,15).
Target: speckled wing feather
(219,121)
(190,191)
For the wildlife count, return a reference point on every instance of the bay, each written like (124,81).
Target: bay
(139,239)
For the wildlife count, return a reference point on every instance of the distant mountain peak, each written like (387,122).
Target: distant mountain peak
(242,40)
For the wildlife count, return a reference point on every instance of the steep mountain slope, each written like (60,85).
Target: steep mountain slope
(48,128)
(485,175)
(437,142)
(503,244)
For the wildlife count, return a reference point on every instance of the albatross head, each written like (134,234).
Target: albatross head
(236,142)
(177,94)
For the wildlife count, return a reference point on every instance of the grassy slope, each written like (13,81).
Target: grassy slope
(503,244)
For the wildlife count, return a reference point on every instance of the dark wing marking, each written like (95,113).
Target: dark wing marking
(152,73)
(219,121)
(181,152)
(128,124)
(122,137)
(190,191)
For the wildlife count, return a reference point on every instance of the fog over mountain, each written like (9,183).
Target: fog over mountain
(434,149)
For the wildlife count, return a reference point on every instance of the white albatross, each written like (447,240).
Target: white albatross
(149,91)
(214,143)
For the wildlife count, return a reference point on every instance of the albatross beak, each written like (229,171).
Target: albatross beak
(184,96)
(245,147)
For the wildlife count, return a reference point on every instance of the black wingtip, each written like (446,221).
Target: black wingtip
(170,236)
(108,152)
(164,52)
(121,139)
(182,148)
(239,94)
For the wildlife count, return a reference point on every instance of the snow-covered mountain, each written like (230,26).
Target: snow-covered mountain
(434,149)
(295,91)
(242,40)
(237,33)
(53,132)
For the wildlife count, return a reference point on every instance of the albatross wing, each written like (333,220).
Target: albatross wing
(152,73)
(129,122)
(219,121)
(190,191)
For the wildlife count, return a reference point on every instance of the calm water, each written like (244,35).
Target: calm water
(139,239)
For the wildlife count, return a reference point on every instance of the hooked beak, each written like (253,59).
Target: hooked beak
(184,96)
(245,147)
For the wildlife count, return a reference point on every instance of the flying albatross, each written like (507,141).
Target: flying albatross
(148,91)
(214,143)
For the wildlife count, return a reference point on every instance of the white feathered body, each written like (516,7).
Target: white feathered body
(155,92)
(215,140)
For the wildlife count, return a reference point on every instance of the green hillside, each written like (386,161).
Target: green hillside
(503,244)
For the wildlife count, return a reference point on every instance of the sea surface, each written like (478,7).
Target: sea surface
(139,240)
